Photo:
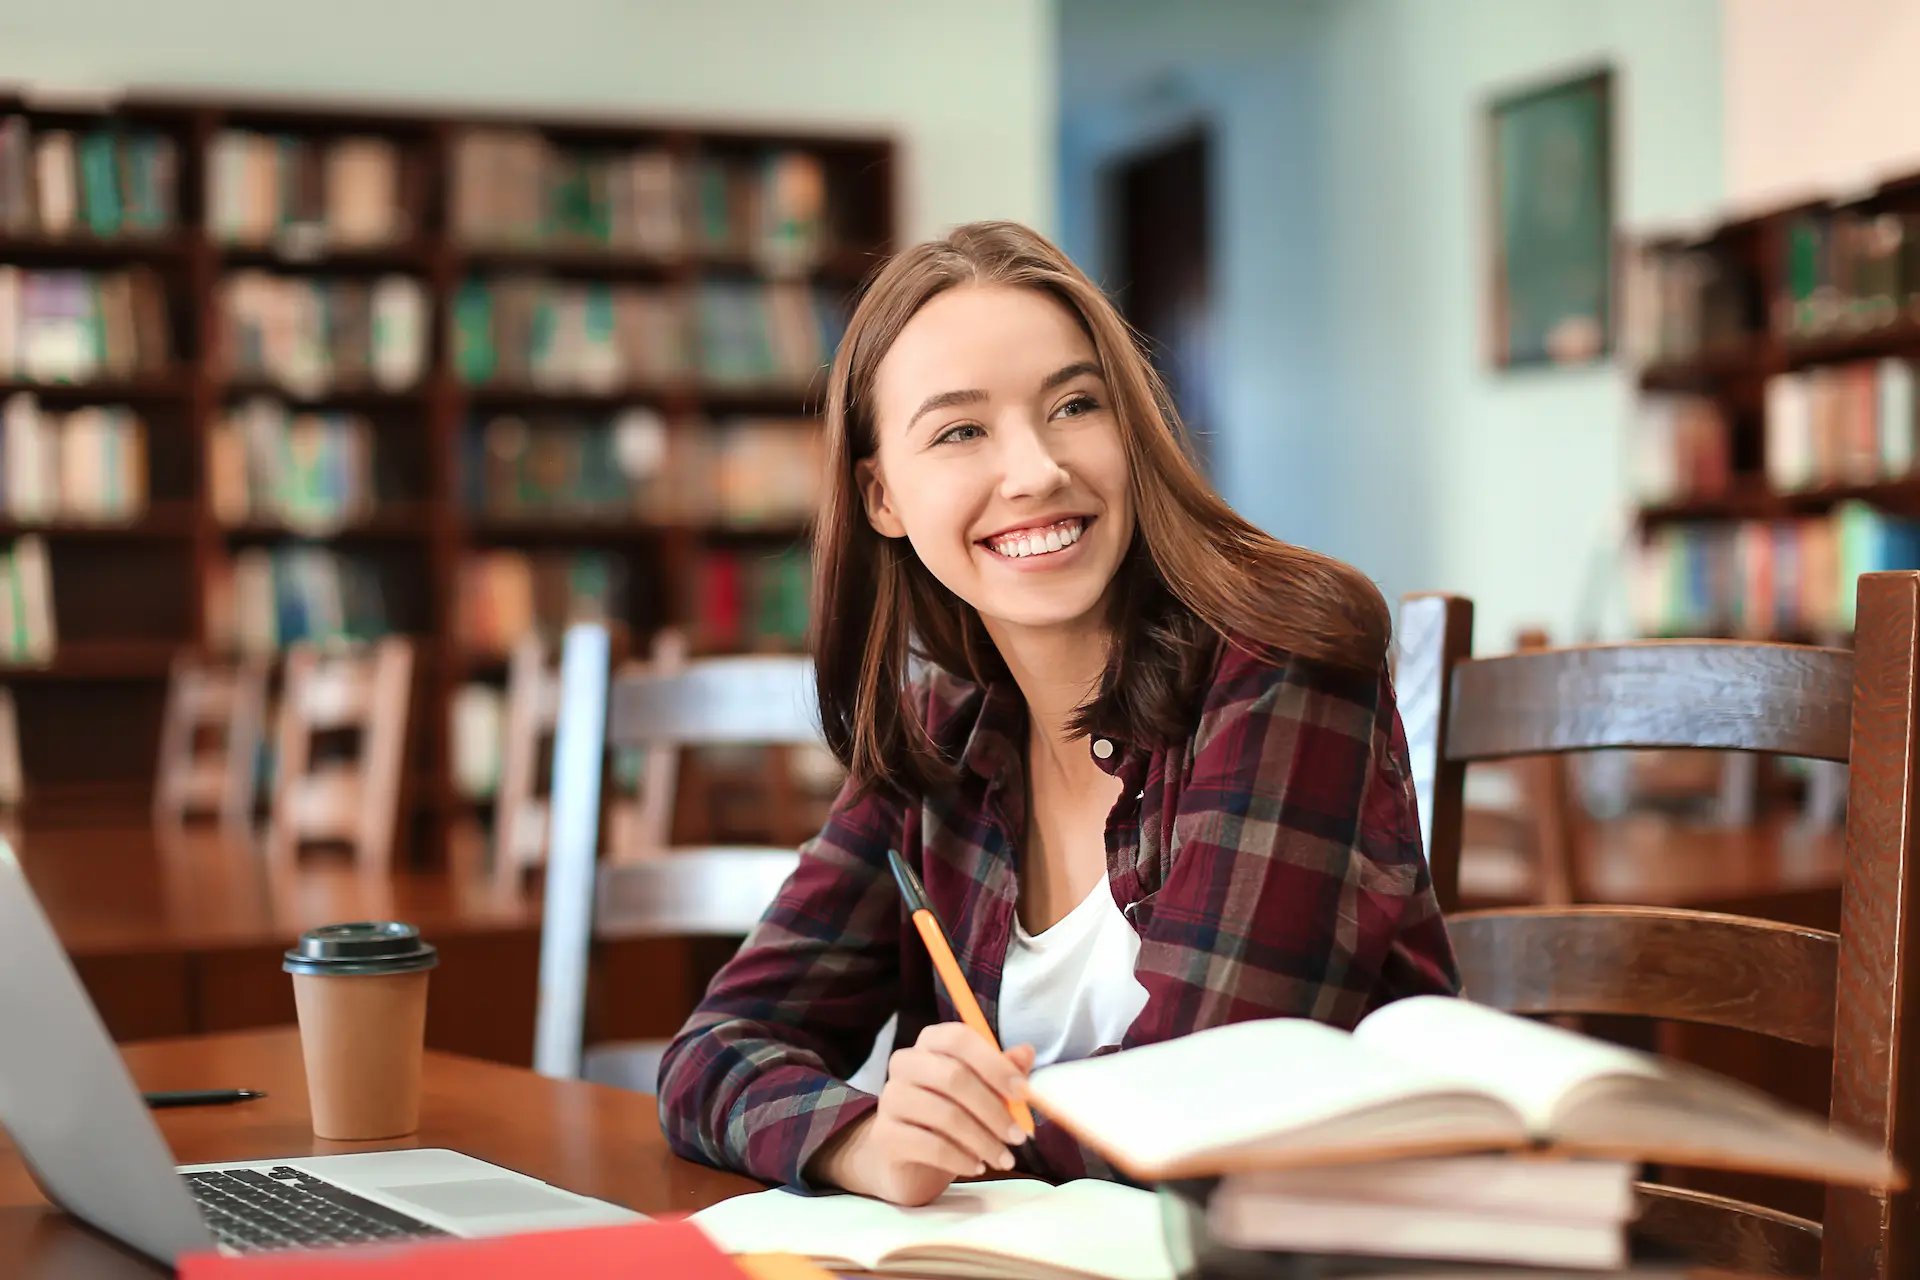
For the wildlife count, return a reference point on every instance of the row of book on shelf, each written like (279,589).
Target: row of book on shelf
(1848,424)
(263,599)
(87,464)
(308,335)
(1764,578)
(79,326)
(741,472)
(268,462)
(106,181)
(509,187)
(1840,272)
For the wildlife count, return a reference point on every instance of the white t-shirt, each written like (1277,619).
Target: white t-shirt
(1067,992)
(1071,989)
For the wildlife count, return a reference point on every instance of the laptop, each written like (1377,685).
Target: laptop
(90,1142)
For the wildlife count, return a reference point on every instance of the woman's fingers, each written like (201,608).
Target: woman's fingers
(935,1110)
(998,1070)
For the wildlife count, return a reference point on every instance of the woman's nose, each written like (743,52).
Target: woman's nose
(1029,467)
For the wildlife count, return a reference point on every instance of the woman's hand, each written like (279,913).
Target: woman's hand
(942,1116)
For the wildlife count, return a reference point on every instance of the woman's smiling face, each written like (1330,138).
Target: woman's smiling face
(999,457)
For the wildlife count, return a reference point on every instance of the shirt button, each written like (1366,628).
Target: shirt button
(1102,748)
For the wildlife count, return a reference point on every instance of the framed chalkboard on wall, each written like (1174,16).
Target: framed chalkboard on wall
(1549,154)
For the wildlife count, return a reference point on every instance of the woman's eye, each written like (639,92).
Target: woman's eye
(955,435)
(1078,405)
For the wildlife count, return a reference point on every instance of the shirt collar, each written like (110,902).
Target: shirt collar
(999,733)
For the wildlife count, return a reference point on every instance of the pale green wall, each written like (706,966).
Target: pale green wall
(969,91)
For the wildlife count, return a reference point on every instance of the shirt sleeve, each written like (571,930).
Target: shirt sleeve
(756,1080)
(1298,887)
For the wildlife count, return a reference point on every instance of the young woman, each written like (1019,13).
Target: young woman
(1152,777)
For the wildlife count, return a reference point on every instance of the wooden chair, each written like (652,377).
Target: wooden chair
(715,892)
(635,825)
(230,700)
(356,802)
(1846,992)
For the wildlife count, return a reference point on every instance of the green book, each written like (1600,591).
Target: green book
(100,183)
(473,351)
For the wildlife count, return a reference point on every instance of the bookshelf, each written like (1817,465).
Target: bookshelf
(1775,453)
(438,372)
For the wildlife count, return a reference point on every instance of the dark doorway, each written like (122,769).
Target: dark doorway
(1162,221)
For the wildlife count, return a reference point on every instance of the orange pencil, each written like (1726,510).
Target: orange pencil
(949,968)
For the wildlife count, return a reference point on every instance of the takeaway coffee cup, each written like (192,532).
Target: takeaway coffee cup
(361,992)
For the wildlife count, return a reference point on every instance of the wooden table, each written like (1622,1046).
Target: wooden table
(183,934)
(583,1137)
(587,1138)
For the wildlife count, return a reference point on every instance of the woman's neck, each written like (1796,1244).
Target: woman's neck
(1057,670)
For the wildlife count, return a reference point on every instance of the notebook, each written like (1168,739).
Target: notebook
(1427,1075)
(1008,1228)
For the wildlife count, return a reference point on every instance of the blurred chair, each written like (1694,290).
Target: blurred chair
(1846,992)
(635,824)
(355,801)
(683,893)
(227,702)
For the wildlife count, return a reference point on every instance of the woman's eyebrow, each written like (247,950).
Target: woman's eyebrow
(1069,373)
(943,400)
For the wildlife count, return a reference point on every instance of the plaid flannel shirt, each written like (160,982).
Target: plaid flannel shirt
(1270,863)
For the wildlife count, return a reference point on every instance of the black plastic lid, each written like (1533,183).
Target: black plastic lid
(366,946)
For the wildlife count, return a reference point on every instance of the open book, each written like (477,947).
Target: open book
(1427,1075)
(1011,1228)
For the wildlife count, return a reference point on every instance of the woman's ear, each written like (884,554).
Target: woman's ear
(873,492)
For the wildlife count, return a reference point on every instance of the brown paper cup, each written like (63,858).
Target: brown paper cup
(363,1037)
(361,992)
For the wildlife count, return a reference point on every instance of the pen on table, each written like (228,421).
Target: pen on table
(201,1097)
(949,968)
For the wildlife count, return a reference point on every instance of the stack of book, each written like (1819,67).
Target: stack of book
(26,602)
(504,596)
(86,464)
(265,462)
(1306,1140)
(305,194)
(1682,449)
(750,600)
(515,188)
(1681,303)
(266,599)
(1842,424)
(309,336)
(530,332)
(759,472)
(779,334)
(104,182)
(77,326)
(1846,272)
(1759,578)
(558,464)
(771,208)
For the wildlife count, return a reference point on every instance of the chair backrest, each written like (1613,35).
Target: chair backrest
(1847,992)
(356,802)
(765,701)
(229,698)
(635,824)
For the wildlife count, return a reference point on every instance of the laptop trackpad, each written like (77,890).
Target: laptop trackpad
(483,1197)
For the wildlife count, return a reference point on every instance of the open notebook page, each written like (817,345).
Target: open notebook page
(1531,1065)
(852,1228)
(1222,1088)
(1088,1228)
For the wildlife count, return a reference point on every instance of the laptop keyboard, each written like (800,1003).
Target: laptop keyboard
(250,1210)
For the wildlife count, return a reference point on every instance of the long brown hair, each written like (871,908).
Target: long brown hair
(1196,572)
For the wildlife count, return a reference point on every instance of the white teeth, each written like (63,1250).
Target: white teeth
(1036,543)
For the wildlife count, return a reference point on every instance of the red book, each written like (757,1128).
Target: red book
(676,1249)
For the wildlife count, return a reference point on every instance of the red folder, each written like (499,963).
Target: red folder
(640,1249)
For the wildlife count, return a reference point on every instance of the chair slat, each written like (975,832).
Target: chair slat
(1686,966)
(1789,699)
(718,892)
(762,700)
(1729,1235)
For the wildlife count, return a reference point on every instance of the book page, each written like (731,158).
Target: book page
(1529,1064)
(1223,1088)
(1085,1228)
(840,1227)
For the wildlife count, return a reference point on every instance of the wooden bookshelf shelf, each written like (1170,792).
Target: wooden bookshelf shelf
(421,553)
(98,660)
(86,250)
(1902,338)
(161,520)
(1708,370)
